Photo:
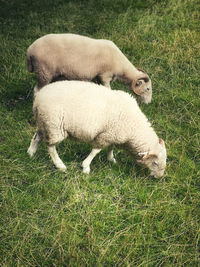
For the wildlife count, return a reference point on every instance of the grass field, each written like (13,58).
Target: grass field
(116,216)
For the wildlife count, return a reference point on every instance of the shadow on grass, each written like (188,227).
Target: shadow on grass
(73,151)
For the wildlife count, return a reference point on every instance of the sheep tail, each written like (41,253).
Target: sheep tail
(30,63)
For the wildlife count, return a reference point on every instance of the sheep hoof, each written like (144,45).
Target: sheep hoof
(86,170)
(31,152)
(114,161)
(62,168)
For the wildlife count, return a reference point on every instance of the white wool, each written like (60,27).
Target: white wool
(93,113)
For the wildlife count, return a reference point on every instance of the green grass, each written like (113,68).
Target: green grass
(116,216)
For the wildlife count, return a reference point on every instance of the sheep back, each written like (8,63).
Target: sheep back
(74,56)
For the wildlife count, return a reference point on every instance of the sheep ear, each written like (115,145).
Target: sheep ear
(143,155)
(161,142)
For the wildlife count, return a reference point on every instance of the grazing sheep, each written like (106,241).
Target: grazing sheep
(92,113)
(75,57)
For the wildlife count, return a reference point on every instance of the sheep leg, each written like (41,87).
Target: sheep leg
(106,79)
(110,156)
(35,142)
(88,160)
(43,76)
(107,84)
(55,158)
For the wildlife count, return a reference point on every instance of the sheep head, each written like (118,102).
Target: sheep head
(142,87)
(155,160)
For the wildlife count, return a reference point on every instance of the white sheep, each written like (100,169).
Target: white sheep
(76,57)
(93,113)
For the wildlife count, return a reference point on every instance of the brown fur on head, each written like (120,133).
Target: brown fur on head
(141,86)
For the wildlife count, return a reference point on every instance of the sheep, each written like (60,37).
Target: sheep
(94,114)
(75,57)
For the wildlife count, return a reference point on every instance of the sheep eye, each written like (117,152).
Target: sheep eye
(148,88)
(155,163)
